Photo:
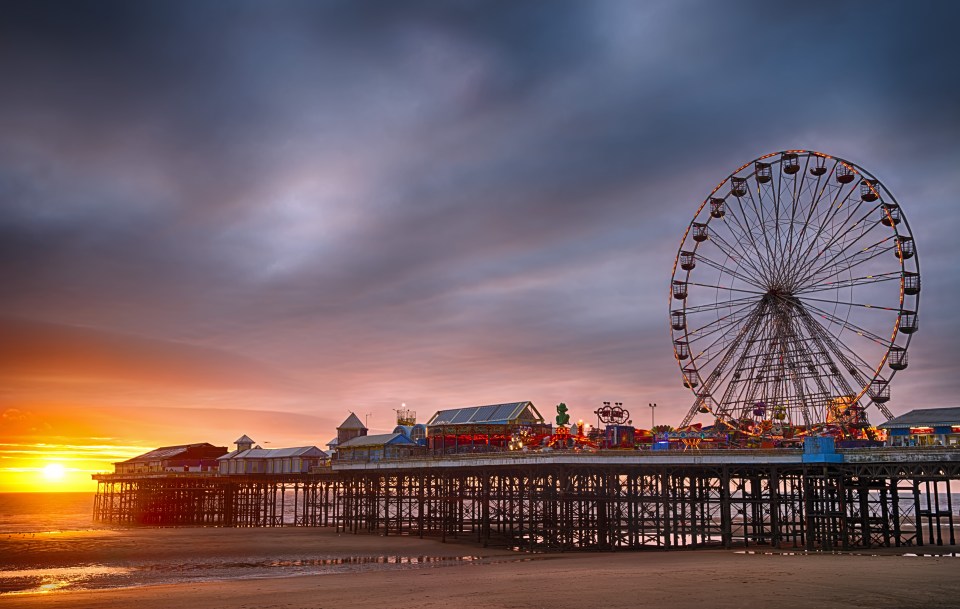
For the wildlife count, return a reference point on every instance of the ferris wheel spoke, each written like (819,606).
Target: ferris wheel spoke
(771,256)
(853,363)
(844,195)
(738,388)
(728,271)
(799,238)
(846,243)
(865,223)
(718,324)
(818,218)
(815,193)
(725,288)
(828,215)
(748,234)
(849,283)
(807,358)
(827,341)
(842,241)
(745,330)
(855,329)
(714,331)
(851,304)
(758,207)
(799,188)
(717,340)
(815,202)
(731,252)
(717,353)
(849,326)
(863,256)
(838,360)
(845,259)
(723,336)
(719,306)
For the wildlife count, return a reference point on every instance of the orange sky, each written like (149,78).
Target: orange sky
(83,399)
(85,440)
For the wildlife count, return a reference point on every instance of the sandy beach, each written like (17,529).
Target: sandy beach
(353,571)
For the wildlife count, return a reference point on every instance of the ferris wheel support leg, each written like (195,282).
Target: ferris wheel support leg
(886,411)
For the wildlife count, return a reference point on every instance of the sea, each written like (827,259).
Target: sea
(43,512)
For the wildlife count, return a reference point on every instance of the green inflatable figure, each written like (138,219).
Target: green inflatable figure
(562,417)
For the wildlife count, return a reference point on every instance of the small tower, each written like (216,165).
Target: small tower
(243,443)
(405,416)
(351,428)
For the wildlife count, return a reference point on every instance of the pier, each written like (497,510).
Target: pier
(565,501)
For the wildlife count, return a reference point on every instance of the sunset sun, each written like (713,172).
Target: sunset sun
(54,472)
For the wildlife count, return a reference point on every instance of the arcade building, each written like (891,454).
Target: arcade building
(924,427)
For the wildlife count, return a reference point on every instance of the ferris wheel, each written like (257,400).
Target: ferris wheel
(794,296)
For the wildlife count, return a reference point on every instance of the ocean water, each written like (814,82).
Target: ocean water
(42,512)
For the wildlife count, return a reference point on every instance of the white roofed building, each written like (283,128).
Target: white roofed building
(248,459)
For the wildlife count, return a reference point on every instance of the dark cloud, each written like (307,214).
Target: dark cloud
(443,202)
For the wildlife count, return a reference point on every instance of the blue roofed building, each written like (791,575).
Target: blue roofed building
(377,448)
(924,427)
(416,432)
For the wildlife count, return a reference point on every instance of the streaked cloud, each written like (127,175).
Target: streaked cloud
(310,208)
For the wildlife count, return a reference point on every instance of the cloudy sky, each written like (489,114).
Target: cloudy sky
(255,217)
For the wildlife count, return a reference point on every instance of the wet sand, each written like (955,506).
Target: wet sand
(431,574)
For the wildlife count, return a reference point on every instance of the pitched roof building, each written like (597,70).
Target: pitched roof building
(513,413)
(376,447)
(925,427)
(294,460)
(351,428)
(481,428)
(200,457)
(244,442)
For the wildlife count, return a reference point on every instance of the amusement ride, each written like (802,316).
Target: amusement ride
(793,299)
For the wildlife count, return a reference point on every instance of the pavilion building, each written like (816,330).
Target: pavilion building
(183,458)
(377,447)
(251,459)
(924,427)
(482,428)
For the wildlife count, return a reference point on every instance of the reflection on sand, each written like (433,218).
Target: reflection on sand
(32,581)
(49,580)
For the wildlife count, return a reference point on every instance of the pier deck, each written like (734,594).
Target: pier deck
(568,501)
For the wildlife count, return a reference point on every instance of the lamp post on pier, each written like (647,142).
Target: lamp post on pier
(653,422)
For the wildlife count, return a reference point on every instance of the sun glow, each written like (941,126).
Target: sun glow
(54,472)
